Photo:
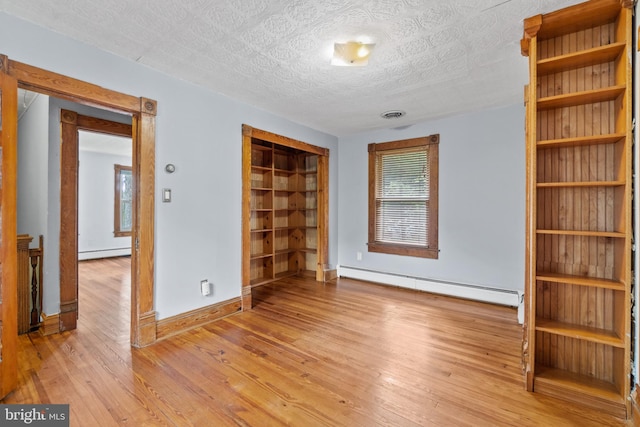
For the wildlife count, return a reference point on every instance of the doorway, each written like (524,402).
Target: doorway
(71,124)
(143,111)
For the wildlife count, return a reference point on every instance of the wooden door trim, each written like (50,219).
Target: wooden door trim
(8,231)
(71,122)
(323,218)
(68,257)
(61,86)
(143,112)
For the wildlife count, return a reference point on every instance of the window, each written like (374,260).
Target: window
(123,209)
(403,197)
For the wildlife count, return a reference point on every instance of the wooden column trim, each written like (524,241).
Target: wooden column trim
(68,220)
(528,349)
(8,230)
(322,271)
(143,326)
(246,215)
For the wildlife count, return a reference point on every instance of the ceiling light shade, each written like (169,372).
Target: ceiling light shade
(351,54)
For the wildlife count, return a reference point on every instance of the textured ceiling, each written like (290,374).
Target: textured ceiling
(433,58)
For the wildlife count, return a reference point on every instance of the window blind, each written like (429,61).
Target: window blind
(402,196)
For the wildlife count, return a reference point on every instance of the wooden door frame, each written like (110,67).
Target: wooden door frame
(8,231)
(322,268)
(143,112)
(71,122)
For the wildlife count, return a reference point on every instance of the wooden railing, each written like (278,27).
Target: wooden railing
(29,284)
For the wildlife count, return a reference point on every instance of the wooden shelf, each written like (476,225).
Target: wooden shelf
(287,172)
(581,389)
(580,184)
(612,234)
(260,281)
(580,59)
(281,179)
(285,251)
(581,141)
(261,230)
(601,336)
(581,281)
(260,256)
(288,228)
(577,98)
(281,210)
(259,147)
(284,274)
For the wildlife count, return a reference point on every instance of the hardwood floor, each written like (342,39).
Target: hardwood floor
(309,354)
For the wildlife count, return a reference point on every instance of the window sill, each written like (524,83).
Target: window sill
(406,250)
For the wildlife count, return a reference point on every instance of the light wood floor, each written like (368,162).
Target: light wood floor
(308,354)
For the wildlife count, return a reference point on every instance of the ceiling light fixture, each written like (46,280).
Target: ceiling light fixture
(351,54)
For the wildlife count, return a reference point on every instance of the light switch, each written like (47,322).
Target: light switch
(166,195)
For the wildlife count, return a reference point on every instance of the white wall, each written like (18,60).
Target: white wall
(33,169)
(96,194)
(198,235)
(481,201)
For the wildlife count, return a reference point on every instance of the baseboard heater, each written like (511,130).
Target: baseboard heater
(103,253)
(462,290)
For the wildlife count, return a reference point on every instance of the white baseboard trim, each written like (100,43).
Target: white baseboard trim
(105,253)
(507,297)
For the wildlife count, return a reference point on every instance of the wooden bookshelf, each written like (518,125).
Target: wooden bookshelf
(579,236)
(284,197)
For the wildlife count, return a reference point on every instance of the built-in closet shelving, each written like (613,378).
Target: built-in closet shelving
(284,212)
(578,243)
(285,190)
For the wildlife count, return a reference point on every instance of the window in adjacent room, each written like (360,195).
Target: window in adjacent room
(403,197)
(123,209)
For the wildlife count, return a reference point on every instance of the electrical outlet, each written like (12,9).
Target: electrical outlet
(205,287)
(358,256)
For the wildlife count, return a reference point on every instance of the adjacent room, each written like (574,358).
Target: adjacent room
(340,213)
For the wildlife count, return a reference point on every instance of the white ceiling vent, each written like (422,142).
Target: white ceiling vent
(393,114)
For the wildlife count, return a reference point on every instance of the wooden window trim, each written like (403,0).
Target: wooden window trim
(398,249)
(117,232)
